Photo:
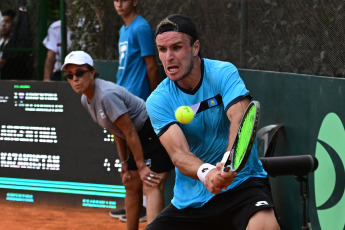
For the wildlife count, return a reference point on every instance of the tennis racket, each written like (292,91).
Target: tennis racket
(237,157)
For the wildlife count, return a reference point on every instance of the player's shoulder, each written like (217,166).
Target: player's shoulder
(140,24)
(104,87)
(217,64)
(216,67)
(140,20)
(161,93)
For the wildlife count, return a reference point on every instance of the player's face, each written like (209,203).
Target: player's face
(125,7)
(6,26)
(176,54)
(82,79)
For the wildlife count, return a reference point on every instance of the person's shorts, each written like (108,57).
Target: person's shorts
(155,155)
(229,210)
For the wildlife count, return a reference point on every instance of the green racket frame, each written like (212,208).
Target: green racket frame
(237,157)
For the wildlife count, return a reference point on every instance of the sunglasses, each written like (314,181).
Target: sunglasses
(79,73)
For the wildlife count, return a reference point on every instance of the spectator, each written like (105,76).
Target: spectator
(15,35)
(52,42)
(138,71)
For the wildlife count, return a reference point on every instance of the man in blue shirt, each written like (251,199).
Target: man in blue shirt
(137,71)
(204,196)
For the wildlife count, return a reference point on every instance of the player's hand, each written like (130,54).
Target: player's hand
(149,177)
(228,177)
(214,182)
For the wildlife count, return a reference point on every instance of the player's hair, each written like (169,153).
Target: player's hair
(92,68)
(179,23)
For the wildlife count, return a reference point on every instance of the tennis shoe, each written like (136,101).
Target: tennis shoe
(142,217)
(118,213)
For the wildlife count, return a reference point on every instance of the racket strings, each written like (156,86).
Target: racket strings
(245,134)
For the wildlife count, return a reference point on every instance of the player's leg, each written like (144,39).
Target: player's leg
(155,197)
(158,160)
(133,199)
(263,219)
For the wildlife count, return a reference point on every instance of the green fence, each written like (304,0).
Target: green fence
(312,110)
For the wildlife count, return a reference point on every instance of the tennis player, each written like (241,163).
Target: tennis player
(145,163)
(205,197)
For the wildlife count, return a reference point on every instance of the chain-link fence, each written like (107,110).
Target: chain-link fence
(18,51)
(305,37)
(295,36)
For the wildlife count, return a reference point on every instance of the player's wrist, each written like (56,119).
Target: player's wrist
(203,170)
(141,165)
(125,161)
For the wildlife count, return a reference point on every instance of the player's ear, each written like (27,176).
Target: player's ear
(196,48)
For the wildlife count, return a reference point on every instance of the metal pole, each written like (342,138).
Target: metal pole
(42,32)
(304,192)
(63,33)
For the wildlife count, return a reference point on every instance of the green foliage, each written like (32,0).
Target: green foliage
(295,36)
(304,37)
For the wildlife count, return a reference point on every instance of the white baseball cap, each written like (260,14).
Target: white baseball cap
(77,58)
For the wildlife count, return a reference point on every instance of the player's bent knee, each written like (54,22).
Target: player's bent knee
(263,219)
(134,184)
(152,189)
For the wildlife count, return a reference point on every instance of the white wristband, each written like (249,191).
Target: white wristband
(203,170)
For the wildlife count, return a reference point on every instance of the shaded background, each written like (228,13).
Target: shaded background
(305,37)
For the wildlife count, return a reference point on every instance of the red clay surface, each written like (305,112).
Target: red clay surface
(27,216)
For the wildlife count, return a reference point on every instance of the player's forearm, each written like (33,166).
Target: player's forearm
(136,148)
(152,71)
(235,114)
(232,134)
(49,65)
(178,149)
(48,70)
(153,79)
(121,149)
(187,163)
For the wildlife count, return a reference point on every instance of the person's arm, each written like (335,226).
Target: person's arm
(126,125)
(121,149)
(175,143)
(124,156)
(49,65)
(177,147)
(234,114)
(152,71)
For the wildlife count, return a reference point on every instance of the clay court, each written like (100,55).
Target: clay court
(28,216)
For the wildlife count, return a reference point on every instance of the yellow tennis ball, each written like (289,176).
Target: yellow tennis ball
(184,114)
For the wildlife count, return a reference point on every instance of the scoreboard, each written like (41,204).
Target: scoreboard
(52,152)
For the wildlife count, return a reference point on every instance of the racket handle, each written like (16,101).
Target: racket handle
(226,160)
(225,157)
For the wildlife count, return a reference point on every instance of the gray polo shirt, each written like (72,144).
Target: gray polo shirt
(110,101)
